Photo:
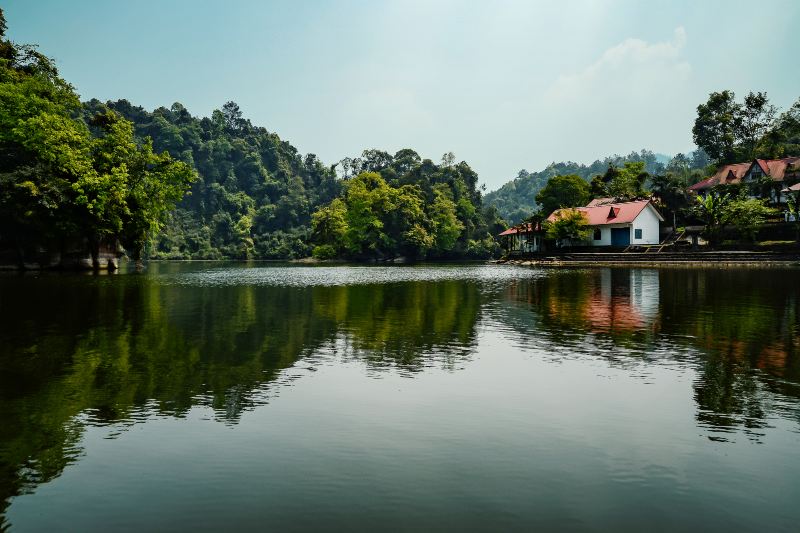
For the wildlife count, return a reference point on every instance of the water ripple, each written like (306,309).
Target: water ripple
(306,276)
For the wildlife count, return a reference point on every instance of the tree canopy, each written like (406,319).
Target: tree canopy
(730,131)
(67,176)
(403,205)
(563,191)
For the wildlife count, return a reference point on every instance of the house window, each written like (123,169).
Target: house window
(597,234)
(637,233)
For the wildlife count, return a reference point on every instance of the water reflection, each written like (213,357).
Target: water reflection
(741,326)
(80,351)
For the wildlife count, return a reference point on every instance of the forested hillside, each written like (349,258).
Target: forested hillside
(256,194)
(516,200)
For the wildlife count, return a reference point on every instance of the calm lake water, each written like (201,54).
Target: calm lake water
(462,397)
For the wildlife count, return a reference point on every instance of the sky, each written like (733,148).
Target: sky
(504,85)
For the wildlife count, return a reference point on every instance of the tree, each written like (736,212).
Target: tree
(329,225)
(754,119)
(727,130)
(715,126)
(719,209)
(446,225)
(748,216)
(63,179)
(713,211)
(563,191)
(569,225)
(626,183)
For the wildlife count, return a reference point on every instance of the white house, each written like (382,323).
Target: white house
(619,223)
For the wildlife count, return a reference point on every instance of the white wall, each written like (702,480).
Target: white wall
(605,235)
(648,222)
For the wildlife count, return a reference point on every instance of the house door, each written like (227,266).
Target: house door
(620,236)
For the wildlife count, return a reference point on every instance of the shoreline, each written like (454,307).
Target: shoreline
(705,259)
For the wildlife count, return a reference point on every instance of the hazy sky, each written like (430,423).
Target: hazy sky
(504,85)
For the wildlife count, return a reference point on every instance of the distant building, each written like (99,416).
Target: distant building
(523,239)
(619,223)
(782,172)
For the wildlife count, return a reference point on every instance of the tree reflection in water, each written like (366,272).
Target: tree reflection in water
(742,325)
(80,351)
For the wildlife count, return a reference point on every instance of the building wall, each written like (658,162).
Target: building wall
(648,222)
(605,235)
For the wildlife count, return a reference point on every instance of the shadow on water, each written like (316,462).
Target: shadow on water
(79,351)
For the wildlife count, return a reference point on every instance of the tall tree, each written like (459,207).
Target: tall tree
(563,191)
(728,130)
(715,127)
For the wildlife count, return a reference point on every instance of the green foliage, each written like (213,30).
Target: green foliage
(62,179)
(729,131)
(324,251)
(410,207)
(516,200)
(626,183)
(670,191)
(254,195)
(748,215)
(718,209)
(563,191)
(569,225)
(713,211)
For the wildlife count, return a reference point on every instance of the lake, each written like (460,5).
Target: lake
(217,396)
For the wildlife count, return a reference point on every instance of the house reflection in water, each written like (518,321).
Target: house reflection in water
(622,300)
(601,300)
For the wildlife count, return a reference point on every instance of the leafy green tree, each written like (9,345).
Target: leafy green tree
(446,225)
(670,190)
(713,210)
(748,215)
(728,130)
(569,225)
(61,180)
(563,191)
(628,182)
(329,226)
(715,126)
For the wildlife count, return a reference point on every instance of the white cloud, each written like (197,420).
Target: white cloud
(636,95)
(633,60)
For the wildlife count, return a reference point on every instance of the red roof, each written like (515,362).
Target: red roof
(793,188)
(608,213)
(777,169)
(522,228)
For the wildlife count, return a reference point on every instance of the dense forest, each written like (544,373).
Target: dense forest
(516,200)
(166,184)
(67,177)
(257,197)
(254,195)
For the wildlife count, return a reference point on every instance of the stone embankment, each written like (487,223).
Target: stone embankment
(656,259)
